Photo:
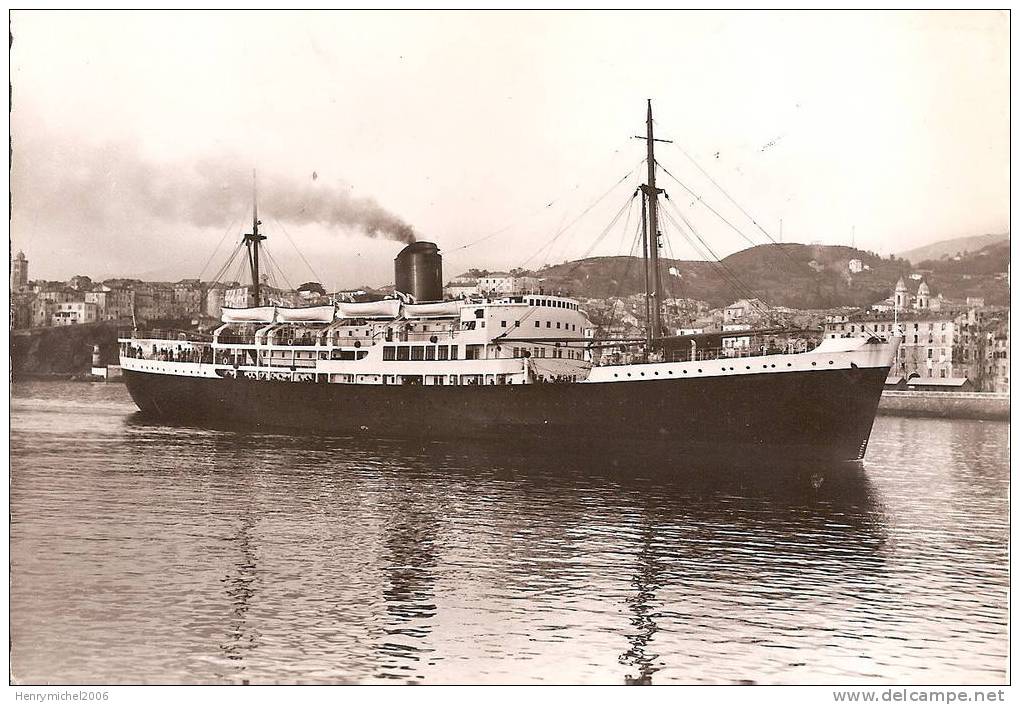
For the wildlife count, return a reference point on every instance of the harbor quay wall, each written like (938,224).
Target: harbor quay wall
(948,405)
(64,350)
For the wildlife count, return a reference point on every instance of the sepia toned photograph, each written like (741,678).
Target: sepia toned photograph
(510,348)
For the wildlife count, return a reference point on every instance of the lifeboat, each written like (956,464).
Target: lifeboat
(258,314)
(387,308)
(307,314)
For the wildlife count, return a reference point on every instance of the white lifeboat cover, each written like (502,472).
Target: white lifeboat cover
(835,345)
(258,314)
(307,314)
(442,309)
(387,308)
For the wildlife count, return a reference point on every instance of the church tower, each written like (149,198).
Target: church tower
(901,295)
(923,297)
(19,272)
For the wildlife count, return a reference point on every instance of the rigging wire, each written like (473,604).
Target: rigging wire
(669,279)
(274,265)
(725,193)
(300,254)
(567,242)
(728,277)
(709,254)
(703,202)
(736,230)
(581,215)
(218,246)
(226,265)
(629,261)
(629,207)
(240,266)
(522,218)
(725,272)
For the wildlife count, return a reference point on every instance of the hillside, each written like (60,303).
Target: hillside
(950,248)
(798,276)
(793,275)
(990,259)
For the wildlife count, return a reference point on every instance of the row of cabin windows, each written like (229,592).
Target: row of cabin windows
(419,352)
(558,353)
(551,303)
(416,380)
(548,324)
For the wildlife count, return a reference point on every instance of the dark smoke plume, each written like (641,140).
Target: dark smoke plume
(108,184)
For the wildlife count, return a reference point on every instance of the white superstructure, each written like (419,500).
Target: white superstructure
(510,340)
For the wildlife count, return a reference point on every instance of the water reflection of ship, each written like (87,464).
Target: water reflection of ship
(241,585)
(680,525)
(646,581)
(409,593)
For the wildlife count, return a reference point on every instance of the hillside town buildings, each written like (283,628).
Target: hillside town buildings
(492,284)
(940,339)
(79,300)
(72,313)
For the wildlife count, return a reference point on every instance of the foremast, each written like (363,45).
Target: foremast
(252,240)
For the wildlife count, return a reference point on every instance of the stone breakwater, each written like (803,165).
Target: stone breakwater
(948,405)
(62,351)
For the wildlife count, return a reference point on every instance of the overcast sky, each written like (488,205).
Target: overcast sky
(135,134)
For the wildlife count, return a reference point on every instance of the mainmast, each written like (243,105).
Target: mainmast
(252,240)
(654,288)
(648,285)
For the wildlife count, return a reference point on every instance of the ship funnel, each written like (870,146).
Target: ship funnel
(418,271)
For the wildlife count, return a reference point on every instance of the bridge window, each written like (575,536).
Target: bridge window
(403,353)
(418,352)
(444,352)
(453,352)
(430,353)
(389,352)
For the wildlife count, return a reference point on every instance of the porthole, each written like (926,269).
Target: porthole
(656,374)
(699,369)
(615,375)
(830,362)
(748,367)
(642,374)
(628,374)
(685,371)
(813,364)
(789,364)
(765,367)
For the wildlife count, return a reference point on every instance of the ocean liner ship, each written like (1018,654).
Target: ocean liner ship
(521,366)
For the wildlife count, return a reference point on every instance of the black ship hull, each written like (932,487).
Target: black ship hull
(823,415)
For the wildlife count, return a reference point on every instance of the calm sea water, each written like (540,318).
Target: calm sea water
(148,553)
